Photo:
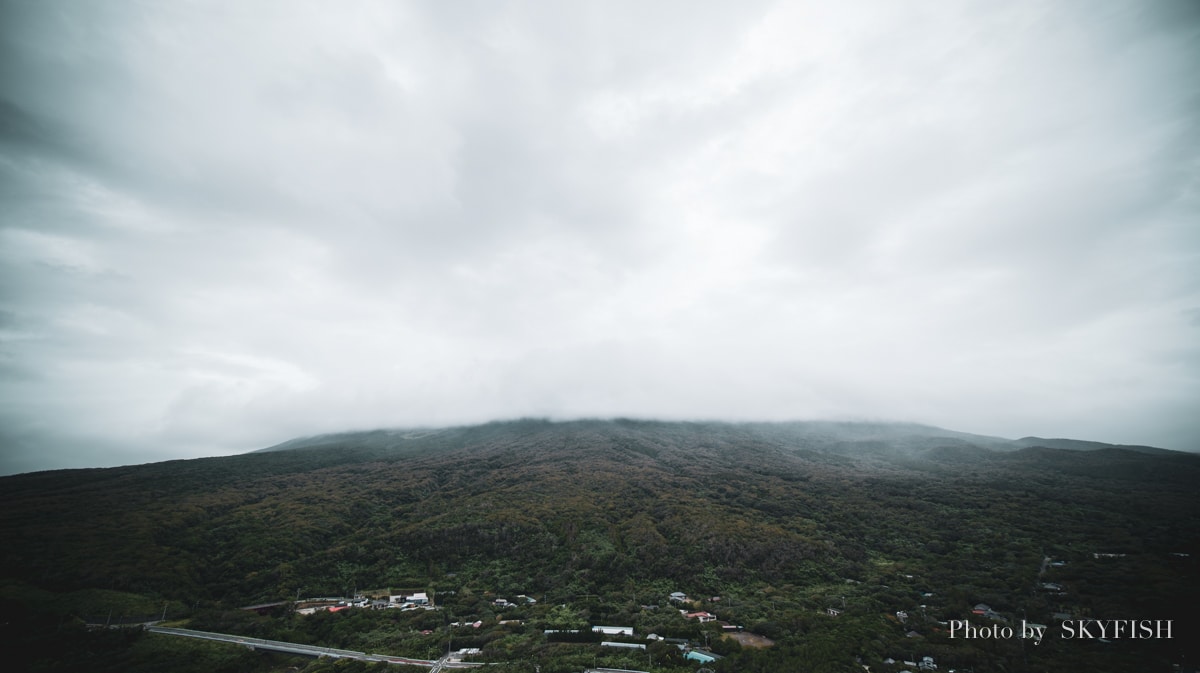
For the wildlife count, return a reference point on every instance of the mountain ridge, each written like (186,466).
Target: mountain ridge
(825,435)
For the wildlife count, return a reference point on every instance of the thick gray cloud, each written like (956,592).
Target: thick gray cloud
(223,225)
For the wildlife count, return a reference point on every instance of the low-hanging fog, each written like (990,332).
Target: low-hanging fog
(223,225)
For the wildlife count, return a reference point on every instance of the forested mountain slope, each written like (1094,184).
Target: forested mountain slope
(587,502)
(563,509)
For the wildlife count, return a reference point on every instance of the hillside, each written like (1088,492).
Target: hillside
(783,520)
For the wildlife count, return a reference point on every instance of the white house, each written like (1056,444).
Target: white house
(613,630)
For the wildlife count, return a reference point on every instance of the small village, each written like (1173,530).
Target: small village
(421,600)
(615,637)
(523,612)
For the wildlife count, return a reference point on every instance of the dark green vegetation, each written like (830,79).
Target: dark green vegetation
(598,519)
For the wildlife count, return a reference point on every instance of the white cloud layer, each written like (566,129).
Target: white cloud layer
(223,225)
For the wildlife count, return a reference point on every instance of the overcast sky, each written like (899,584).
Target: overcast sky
(227,224)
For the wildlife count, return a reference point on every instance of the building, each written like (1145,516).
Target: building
(613,630)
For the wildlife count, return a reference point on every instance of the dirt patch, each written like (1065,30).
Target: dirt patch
(748,639)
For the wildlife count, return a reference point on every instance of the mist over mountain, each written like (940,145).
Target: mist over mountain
(849,438)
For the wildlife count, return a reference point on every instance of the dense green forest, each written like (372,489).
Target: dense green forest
(837,545)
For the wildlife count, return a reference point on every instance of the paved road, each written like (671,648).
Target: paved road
(295,648)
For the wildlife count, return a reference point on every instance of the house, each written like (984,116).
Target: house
(702,657)
(464,652)
(833,612)
(420,598)
(613,630)
(628,646)
(927,664)
(678,597)
(902,616)
(983,610)
(704,617)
